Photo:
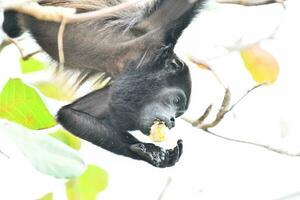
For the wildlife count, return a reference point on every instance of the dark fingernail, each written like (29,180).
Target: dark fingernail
(179,141)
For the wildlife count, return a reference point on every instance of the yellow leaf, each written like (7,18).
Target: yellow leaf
(262,65)
(88,185)
(48,196)
(67,138)
(56,90)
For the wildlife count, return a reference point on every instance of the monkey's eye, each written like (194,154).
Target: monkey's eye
(177,64)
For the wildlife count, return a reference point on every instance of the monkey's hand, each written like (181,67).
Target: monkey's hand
(156,155)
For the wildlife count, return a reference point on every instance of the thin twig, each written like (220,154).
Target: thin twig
(204,65)
(105,12)
(32,54)
(13,3)
(4,154)
(221,113)
(280,151)
(250,2)
(4,44)
(200,120)
(217,77)
(60,43)
(47,13)
(242,97)
(292,196)
(165,189)
(57,14)
(20,49)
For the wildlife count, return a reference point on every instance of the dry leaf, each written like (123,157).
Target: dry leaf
(262,65)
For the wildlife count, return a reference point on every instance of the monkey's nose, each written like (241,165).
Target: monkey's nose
(170,122)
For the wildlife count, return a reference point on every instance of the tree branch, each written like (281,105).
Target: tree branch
(250,2)
(62,15)
(222,112)
(161,196)
(60,43)
(58,14)
(268,147)
(4,154)
(47,13)
(220,115)
(245,95)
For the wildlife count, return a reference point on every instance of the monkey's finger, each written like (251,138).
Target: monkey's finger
(180,146)
(141,150)
(173,156)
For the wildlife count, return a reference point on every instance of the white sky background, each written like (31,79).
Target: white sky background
(210,168)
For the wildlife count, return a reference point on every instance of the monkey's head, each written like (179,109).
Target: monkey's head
(157,91)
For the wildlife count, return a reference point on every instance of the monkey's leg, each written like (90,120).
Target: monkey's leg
(88,118)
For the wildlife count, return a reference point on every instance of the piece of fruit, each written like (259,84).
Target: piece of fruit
(158,131)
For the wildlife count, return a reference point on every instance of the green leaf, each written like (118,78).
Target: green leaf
(22,104)
(46,154)
(31,65)
(48,196)
(88,185)
(67,138)
(55,91)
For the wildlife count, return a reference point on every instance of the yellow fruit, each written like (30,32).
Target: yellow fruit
(262,65)
(158,131)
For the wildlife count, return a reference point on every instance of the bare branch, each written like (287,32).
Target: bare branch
(221,113)
(251,2)
(4,44)
(47,13)
(204,65)
(268,147)
(240,99)
(20,49)
(161,196)
(57,14)
(13,3)
(4,154)
(201,119)
(61,15)
(105,12)
(27,56)
(60,43)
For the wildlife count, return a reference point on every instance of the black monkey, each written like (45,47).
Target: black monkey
(135,48)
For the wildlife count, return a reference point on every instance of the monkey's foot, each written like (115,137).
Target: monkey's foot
(156,155)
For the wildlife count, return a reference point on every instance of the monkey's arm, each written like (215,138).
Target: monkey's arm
(93,124)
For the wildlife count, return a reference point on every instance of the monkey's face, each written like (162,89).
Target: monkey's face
(167,105)
(171,100)
(159,92)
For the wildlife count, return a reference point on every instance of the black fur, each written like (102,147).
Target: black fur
(11,25)
(135,99)
(150,82)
